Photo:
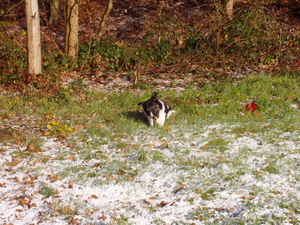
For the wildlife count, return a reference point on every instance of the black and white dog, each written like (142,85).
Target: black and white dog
(156,111)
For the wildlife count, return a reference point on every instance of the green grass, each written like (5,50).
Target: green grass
(115,110)
(46,190)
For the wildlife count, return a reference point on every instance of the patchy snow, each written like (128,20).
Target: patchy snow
(184,178)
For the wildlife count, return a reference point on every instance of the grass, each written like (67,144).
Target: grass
(110,143)
(46,190)
(95,109)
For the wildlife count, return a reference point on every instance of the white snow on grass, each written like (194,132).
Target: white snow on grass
(188,175)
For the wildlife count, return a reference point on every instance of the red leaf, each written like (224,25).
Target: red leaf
(251,107)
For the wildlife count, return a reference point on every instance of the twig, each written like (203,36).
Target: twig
(14,6)
(139,71)
(43,33)
(183,64)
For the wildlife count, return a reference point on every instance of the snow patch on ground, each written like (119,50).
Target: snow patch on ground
(250,180)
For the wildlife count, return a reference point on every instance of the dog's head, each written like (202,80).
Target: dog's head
(153,106)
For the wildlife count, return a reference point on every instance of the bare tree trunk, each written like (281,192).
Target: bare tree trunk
(34,56)
(104,19)
(228,6)
(71,42)
(229,9)
(54,11)
(161,5)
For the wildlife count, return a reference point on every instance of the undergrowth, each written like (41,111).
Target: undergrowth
(253,40)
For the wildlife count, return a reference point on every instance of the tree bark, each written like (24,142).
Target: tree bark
(34,56)
(71,42)
(54,11)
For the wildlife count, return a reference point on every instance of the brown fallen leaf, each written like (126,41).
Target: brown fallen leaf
(240,192)
(121,172)
(163,203)
(96,165)
(72,157)
(54,177)
(94,196)
(182,186)
(23,202)
(130,178)
(103,217)
(2,150)
(198,217)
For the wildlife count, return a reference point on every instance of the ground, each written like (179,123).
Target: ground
(103,164)
(85,155)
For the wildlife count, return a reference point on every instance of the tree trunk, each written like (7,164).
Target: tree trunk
(228,7)
(71,42)
(54,11)
(104,18)
(34,56)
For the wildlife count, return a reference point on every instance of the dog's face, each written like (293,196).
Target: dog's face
(153,109)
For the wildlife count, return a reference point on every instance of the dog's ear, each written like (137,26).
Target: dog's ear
(141,103)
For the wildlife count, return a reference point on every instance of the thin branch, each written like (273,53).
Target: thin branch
(51,40)
(14,6)
(142,71)
(184,64)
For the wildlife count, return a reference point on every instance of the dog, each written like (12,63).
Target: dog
(156,111)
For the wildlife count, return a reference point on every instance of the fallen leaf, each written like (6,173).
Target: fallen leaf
(19,210)
(181,187)
(121,172)
(240,192)
(96,165)
(54,177)
(25,202)
(129,178)
(198,217)
(47,133)
(30,147)
(163,203)
(3,150)
(71,157)
(103,217)
(252,108)
(94,196)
